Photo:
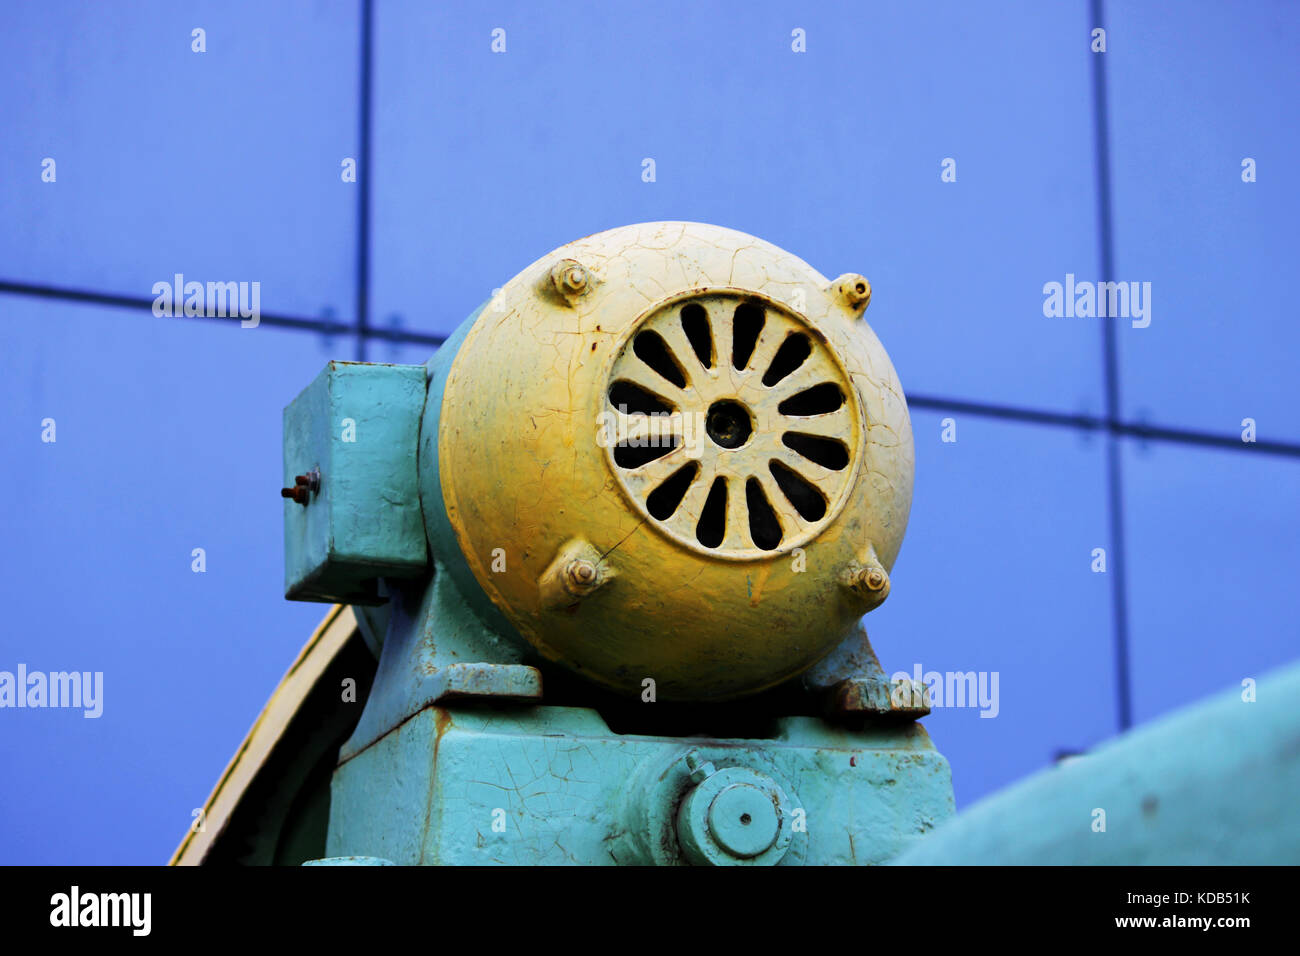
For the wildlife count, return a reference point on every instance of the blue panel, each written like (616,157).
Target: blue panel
(1214,543)
(167,439)
(226,166)
(222,165)
(995,576)
(486,160)
(1192,96)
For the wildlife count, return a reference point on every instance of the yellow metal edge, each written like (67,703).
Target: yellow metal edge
(330,636)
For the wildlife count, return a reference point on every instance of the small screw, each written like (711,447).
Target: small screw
(699,768)
(304,486)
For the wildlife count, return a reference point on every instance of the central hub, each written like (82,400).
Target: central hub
(743,820)
(733,816)
(729,424)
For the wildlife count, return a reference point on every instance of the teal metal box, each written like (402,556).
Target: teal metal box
(352,508)
(541,786)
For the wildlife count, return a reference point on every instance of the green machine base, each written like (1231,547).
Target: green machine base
(532,785)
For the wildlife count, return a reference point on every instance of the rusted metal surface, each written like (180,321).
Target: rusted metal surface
(899,700)
(304,486)
(851,683)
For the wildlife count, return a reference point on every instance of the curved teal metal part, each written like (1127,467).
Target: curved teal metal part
(1218,782)
(442,539)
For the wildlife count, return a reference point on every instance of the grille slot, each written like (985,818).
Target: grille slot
(827,452)
(652,350)
(695,323)
(712,525)
(789,357)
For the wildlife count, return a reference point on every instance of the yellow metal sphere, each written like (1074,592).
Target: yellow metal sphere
(674,452)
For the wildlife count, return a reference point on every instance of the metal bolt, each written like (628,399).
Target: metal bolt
(298,494)
(581,576)
(304,486)
(871,583)
(698,768)
(854,290)
(570,278)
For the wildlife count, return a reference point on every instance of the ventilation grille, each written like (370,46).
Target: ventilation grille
(733,427)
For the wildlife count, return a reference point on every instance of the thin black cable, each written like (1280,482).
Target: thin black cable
(1032,416)
(1037,416)
(1110,360)
(363,181)
(298,323)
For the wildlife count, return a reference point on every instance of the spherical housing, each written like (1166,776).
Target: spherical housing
(674,452)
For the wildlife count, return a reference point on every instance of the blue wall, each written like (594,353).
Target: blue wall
(225,165)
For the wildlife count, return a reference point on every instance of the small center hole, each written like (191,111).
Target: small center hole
(745,819)
(728,424)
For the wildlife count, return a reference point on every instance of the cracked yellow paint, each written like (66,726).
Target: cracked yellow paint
(525,467)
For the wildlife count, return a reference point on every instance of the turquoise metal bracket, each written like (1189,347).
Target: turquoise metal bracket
(350,444)
(436,649)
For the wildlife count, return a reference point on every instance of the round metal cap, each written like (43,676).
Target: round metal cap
(743,820)
(735,817)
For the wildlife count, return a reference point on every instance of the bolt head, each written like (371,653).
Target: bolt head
(698,768)
(298,493)
(870,583)
(570,278)
(581,576)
